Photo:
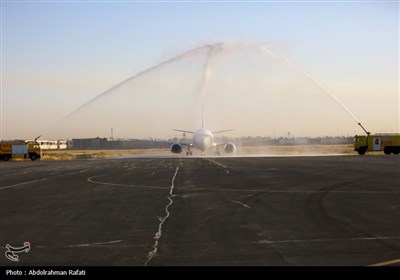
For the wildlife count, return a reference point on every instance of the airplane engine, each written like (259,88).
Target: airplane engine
(176,148)
(229,148)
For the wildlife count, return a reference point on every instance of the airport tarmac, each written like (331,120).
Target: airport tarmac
(262,211)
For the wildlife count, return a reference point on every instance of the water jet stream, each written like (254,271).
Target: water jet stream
(176,58)
(308,76)
(211,51)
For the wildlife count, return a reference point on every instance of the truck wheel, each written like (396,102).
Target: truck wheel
(6,158)
(33,157)
(361,151)
(396,150)
(387,150)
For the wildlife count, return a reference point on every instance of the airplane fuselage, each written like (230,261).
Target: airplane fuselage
(203,139)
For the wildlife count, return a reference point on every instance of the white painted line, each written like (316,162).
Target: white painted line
(244,205)
(24,183)
(95,244)
(265,241)
(98,244)
(43,179)
(93,181)
(289,191)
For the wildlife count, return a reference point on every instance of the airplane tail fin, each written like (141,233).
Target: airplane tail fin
(202,123)
(202,116)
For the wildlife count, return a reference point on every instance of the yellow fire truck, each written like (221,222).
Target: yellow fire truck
(20,149)
(388,143)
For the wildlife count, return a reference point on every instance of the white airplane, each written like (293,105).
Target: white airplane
(203,140)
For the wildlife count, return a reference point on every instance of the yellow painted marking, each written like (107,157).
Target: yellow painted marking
(216,163)
(386,263)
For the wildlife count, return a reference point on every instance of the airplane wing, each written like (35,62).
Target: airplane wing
(220,131)
(186,143)
(191,132)
(182,142)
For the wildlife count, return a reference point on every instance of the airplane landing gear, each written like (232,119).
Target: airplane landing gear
(189,153)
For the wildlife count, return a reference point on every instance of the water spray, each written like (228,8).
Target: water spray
(142,73)
(308,76)
(211,51)
(206,73)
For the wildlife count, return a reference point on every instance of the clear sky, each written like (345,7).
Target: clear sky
(56,55)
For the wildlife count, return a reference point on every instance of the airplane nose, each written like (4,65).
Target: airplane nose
(207,142)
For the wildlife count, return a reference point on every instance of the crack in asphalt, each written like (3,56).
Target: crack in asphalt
(158,234)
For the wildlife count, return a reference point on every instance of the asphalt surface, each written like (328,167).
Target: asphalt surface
(332,210)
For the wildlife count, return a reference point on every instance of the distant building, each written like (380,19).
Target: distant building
(89,143)
(293,141)
(103,143)
(337,140)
